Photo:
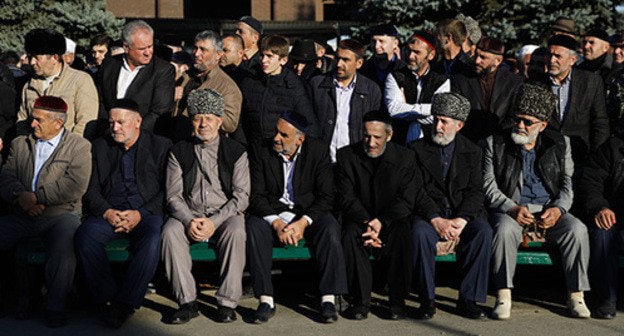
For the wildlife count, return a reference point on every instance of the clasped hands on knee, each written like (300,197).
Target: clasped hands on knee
(448,229)
(123,221)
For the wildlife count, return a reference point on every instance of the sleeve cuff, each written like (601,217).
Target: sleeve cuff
(270,218)
(308,219)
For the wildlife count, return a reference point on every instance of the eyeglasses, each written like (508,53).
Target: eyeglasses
(527,122)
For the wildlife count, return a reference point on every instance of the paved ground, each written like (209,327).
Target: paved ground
(536,311)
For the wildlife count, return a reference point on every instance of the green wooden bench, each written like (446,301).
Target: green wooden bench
(118,252)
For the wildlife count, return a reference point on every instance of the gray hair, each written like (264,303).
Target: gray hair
(211,36)
(132,27)
(58,116)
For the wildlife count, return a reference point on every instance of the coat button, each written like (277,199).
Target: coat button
(330,121)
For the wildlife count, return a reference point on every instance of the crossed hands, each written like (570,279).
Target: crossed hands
(448,229)
(290,234)
(371,236)
(28,202)
(200,229)
(123,221)
(524,217)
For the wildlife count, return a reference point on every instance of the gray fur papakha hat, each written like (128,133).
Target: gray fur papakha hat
(205,101)
(534,101)
(450,104)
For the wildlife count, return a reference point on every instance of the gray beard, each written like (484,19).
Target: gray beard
(441,140)
(519,139)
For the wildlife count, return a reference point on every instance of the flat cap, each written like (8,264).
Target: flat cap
(450,104)
(44,42)
(205,101)
(563,24)
(534,101)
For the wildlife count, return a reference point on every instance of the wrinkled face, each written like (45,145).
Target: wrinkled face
(419,56)
(561,61)
(384,44)
(125,126)
(272,63)
(486,62)
(44,124)
(594,47)
(206,126)
(141,49)
(44,65)
(98,52)
(249,35)
(286,140)
(445,129)
(231,53)
(376,137)
(618,54)
(347,64)
(206,57)
(526,129)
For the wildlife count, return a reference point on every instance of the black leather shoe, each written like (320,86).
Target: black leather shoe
(426,311)
(470,310)
(55,319)
(397,313)
(357,312)
(185,313)
(226,314)
(117,314)
(606,311)
(328,312)
(264,313)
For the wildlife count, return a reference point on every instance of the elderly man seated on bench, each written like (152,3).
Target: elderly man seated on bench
(528,184)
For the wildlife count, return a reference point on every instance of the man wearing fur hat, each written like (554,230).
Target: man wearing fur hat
(125,200)
(207,193)
(528,183)
(452,209)
(489,88)
(45,176)
(45,49)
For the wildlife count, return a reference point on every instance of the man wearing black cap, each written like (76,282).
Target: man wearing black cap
(125,200)
(376,190)
(490,89)
(207,194)
(449,166)
(45,177)
(595,52)
(341,99)
(302,59)
(292,196)
(528,186)
(580,110)
(250,29)
(385,58)
(409,89)
(45,48)
(137,75)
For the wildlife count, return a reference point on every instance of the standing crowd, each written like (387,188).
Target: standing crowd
(432,145)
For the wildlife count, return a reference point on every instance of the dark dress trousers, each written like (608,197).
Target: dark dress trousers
(602,186)
(459,194)
(95,232)
(382,188)
(313,187)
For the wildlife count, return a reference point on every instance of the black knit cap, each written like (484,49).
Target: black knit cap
(563,41)
(253,23)
(385,29)
(597,33)
(126,104)
(378,115)
(299,121)
(44,42)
